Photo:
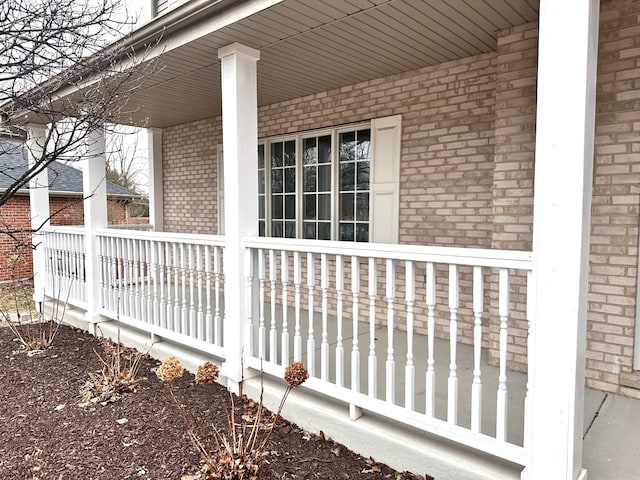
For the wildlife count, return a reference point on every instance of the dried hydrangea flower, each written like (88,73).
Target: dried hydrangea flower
(170,370)
(207,373)
(295,374)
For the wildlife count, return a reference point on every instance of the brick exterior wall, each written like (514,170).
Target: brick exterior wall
(467,172)
(189,156)
(616,200)
(15,216)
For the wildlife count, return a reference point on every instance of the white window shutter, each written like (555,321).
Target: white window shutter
(386,135)
(220,191)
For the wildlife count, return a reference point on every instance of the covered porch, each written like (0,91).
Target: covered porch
(477,351)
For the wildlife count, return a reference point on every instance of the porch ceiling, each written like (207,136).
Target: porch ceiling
(308,46)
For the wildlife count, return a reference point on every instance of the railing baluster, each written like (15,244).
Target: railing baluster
(169,259)
(430,288)
(130,266)
(503,313)
(201,299)
(124,287)
(284,278)
(153,248)
(261,328)
(177,318)
(161,280)
(208,317)
(452,390)
(114,275)
(476,386)
(355,412)
(311,342)
(138,276)
(410,369)
(372,361)
(249,271)
(217,323)
(297,280)
(324,343)
(184,312)
(339,346)
(273,332)
(193,326)
(390,363)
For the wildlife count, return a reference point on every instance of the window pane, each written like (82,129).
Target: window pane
(309,207)
(347,176)
(290,229)
(324,178)
(276,181)
(346,206)
(276,155)
(276,229)
(290,180)
(324,231)
(347,147)
(276,207)
(290,206)
(310,151)
(362,232)
(261,209)
(364,143)
(346,232)
(309,179)
(362,207)
(363,176)
(324,149)
(324,207)
(309,230)
(261,228)
(260,156)
(290,153)
(261,181)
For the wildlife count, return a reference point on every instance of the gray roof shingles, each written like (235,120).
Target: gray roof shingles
(62,177)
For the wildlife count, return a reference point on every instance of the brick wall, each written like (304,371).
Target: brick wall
(15,216)
(189,155)
(616,200)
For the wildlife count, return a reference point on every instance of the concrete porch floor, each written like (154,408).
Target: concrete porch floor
(611,422)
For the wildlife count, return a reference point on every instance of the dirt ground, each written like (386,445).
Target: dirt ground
(45,434)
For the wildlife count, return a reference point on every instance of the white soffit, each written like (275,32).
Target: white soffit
(309,46)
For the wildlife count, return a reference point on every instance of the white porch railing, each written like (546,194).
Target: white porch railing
(323,303)
(65,259)
(368,320)
(167,284)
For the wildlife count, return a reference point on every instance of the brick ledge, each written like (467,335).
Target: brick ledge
(630,379)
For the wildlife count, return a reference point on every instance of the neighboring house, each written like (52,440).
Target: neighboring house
(391,146)
(66,208)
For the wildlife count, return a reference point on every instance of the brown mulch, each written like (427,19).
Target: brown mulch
(45,434)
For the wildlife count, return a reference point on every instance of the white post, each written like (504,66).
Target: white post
(240,140)
(568,46)
(156,198)
(95,216)
(39,201)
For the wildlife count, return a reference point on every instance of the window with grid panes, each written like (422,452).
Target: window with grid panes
(326,175)
(283,189)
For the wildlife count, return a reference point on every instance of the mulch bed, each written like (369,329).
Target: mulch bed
(45,434)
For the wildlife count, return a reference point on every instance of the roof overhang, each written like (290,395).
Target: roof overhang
(306,47)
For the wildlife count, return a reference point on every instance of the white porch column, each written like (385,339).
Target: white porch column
(39,202)
(156,192)
(240,140)
(95,216)
(567,57)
